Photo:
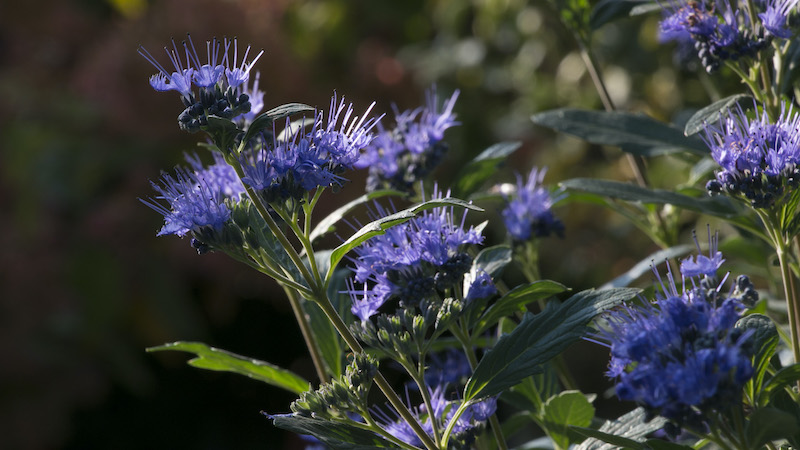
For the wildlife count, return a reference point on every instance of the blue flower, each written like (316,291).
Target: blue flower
(775,17)
(399,157)
(412,261)
(449,368)
(222,84)
(479,286)
(680,357)
(192,203)
(703,265)
(305,161)
(759,159)
(528,212)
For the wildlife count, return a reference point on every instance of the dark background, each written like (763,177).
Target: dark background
(85,286)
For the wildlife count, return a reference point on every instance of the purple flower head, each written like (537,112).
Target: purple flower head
(680,356)
(758,159)
(528,212)
(403,155)
(222,89)
(703,265)
(305,161)
(479,286)
(415,260)
(449,368)
(192,203)
(776,16)
(256,97)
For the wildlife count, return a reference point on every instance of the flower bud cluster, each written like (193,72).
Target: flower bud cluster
(343,395)
(400,157)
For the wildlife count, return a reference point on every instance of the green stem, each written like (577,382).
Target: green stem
(380,381)
(457,415)
(418,375)
(461,333)
(308,334)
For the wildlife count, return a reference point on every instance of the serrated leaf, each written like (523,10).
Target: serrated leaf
(606,11)
(633,133)
(326,225)
(380,226)
(646,264)
(265,120)
(565,409)
(614,440)
(211,358)
(477,171)
(333,434)
(646,8)
(657,444)
(537,339)
(515,301)
(632,426)
(716,206)
(710,114)
(768,424)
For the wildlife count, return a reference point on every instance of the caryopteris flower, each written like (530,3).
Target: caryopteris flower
(400,157)
(413,261)
(220,79)
(681,357)
(758,158)
(701,264)
(776,16)
(719,31)
(305,161)
(528,212)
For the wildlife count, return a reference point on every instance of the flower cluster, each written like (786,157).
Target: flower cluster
(682,357)
(467,426)
(528,212)
(413,261)
(304,161)
(222,82)
(404,155)
(759,159)
(196,197)
(720,32)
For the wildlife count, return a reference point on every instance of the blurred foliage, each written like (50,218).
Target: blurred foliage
(85,284)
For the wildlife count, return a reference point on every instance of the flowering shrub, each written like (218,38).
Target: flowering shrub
(420,289)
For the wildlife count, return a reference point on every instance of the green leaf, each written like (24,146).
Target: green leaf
(717,206)
(326,337)
(768,424)
(380,226)
(764,340)
(211,358)
(782,379)
(515,301)
(633,133)
(325,226)
(266,119)
(477,171)
(492,260)
(614,440)
(222,131)
(537,339)
(646,264)
(710,114)
(606,11)
(336,435)
(632,426)
(657,444)
(565,409)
